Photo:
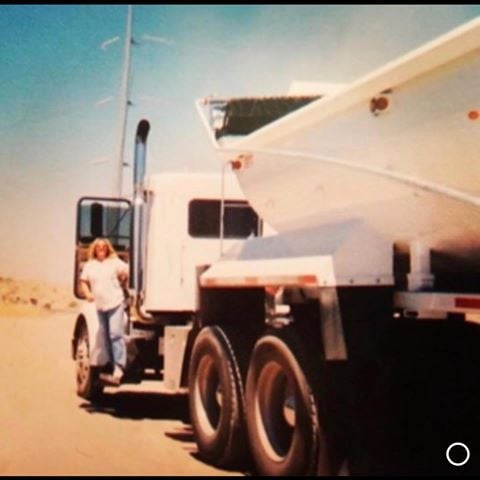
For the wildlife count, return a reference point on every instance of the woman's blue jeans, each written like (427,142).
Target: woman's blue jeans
(112,327)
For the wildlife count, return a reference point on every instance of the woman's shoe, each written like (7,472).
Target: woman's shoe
(117,373)
(109,379)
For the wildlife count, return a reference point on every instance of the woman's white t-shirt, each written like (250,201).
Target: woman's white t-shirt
(103,279)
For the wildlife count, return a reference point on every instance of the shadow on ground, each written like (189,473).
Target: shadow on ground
(140,405)
(155,406)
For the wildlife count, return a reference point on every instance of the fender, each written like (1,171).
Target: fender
(98,349)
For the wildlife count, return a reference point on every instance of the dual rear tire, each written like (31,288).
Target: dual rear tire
(285,435)
(282,421)
(216,398)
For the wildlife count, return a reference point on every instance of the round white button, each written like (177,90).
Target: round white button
(467,456)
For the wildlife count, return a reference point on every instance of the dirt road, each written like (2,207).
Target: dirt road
(47,430)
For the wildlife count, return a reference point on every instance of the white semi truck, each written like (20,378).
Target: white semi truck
(347,339)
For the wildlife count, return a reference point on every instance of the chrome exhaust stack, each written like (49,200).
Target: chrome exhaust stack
(137,263)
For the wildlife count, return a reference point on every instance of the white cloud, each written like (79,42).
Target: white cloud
(162,40)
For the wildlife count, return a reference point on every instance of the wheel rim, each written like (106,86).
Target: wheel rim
(82,361)
(275,411)
(208,396)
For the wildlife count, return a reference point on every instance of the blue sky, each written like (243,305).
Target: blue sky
(60,91)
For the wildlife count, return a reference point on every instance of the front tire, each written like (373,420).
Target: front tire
(215,398)
(87,377)
(285,435)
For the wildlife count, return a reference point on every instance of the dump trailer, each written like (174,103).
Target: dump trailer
(367,360)
(322,313)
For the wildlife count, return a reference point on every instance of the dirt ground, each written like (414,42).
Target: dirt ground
(18,297)
(47,430)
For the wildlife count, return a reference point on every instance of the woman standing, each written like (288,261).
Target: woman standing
(102,280)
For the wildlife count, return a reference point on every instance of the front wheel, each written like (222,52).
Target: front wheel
(87,379)
(285,435)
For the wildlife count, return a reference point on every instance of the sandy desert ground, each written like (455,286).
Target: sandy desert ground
(45,429)
(30,297)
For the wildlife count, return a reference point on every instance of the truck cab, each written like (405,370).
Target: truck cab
(186,227)
(184,230)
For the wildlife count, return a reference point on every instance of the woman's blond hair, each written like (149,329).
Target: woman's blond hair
(91,250)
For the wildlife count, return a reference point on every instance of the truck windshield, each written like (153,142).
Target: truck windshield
(240,220)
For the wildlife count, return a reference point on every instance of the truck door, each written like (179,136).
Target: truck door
(109,218)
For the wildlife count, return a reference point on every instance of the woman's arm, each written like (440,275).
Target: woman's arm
(122,273)
(84,286)
(123,278)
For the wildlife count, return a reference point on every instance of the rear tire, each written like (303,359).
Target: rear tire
(215,398)
(282,419)
(87,377)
